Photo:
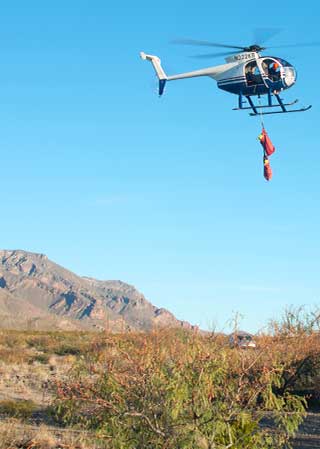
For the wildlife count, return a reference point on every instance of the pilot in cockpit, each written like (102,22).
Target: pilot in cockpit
(253,75)
(250,74)
(274,71)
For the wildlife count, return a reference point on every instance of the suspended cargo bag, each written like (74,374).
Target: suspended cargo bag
(266,143)
(267,172)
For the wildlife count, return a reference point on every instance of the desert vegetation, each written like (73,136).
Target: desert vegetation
(162,389)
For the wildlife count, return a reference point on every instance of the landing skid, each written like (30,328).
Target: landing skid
(269,105)
(266,106)
(283,111)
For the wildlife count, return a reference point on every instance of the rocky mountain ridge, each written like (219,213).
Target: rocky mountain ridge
(38,293)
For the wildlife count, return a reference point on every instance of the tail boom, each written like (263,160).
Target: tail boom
(212,72)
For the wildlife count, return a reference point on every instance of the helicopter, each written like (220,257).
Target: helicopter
(246,74)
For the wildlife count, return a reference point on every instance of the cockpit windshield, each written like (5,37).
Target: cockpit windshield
(284,63)
(269,69)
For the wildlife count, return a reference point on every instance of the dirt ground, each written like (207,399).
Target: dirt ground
(19,435)
(309,433)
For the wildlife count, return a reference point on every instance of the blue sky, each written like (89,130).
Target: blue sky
(166,194)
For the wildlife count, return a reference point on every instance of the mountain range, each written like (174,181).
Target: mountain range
(36,293)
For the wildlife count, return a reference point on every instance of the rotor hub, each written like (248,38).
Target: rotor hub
(255,48)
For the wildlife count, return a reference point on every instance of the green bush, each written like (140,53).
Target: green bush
(178,391)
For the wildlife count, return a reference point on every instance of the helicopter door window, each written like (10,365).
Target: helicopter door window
(272,69)
(253,75)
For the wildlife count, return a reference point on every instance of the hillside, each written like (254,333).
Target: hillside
(37,293)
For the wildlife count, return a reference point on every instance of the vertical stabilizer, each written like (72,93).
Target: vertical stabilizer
(156,62)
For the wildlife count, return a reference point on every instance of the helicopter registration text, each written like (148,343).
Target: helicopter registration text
(242,56)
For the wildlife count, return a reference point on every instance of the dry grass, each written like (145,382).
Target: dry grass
(18,409)
(15,434)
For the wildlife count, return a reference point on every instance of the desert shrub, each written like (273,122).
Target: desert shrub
(41,342)
(13,356)
(13,347)
(296,321)
(295,344)
(12,339)
(67,350)
(60,343)
(41,358)
(18,347)
(17,409)
(178,390)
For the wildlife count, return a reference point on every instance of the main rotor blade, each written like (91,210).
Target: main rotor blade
(203,43)
(305,44)
(213,55)
(262,35)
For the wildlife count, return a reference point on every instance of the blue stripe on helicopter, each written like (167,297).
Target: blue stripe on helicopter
(239,77)
(242,80)
(234,80)
(230,80)
(241,87)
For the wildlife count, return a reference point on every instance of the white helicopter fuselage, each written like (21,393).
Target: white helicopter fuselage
(246,73)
